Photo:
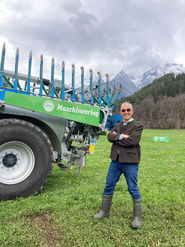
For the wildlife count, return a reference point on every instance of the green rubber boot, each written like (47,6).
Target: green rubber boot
(137,208)
(105,207)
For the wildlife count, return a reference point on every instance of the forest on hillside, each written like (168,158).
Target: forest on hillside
(160,105)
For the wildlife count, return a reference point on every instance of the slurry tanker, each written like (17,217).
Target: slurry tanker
(44,121)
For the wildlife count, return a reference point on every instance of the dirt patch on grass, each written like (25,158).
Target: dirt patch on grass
(48,231)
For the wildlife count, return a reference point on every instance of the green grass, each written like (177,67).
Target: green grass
(61,214)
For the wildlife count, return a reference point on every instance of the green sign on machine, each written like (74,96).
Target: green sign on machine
(64,109)
(161,138)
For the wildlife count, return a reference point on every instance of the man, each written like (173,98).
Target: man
(125,156)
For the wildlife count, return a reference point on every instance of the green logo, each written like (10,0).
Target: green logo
(48,106)
(161,138)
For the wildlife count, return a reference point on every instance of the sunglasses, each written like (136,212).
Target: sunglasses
(124,110)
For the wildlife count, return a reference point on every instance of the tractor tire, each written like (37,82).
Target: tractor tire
(25,159)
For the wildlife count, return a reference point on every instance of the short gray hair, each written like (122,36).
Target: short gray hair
(124,103)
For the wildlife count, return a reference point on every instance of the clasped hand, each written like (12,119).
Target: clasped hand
(123,135)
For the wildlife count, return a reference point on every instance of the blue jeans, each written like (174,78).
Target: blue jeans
(130,172)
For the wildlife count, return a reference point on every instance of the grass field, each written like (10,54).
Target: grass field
(61,214)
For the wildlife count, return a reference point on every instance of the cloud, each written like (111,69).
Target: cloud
(106,35)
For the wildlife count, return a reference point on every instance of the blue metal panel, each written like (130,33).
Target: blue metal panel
(16,68)
(107,85)
(29,71)
(52,78)
(63,81)
(41,75)
(82,83)
(112,120)
(73,83)
(2,65)
(99,88)
(91,80)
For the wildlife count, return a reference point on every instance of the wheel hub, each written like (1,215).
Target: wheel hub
(9,160)
(17,161)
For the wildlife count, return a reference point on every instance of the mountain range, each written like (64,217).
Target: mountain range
(131,84)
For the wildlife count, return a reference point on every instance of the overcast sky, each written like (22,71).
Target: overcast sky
(105,35)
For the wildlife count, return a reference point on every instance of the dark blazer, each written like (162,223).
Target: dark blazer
(127,148)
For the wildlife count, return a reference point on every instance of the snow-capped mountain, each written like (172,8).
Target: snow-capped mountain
(130,83)
(128,87)
(135,79)
(156,72)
